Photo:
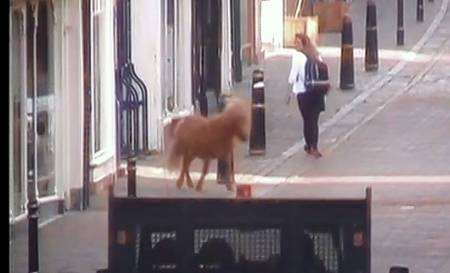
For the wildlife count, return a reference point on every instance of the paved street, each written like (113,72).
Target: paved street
(277,65)
(401,129)
(392,133)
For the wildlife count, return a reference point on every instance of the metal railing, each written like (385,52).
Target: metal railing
(131,94)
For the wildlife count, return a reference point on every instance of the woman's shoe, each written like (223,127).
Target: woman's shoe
(307,149)
(315,153)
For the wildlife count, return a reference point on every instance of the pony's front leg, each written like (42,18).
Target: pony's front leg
(185,172)
(188,177)
(232,184)
(202,177)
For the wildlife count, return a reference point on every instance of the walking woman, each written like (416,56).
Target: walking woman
(310,103)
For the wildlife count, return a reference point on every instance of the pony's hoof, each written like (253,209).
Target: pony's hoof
(230,188)
(198,189)
(179,184)
(190,185)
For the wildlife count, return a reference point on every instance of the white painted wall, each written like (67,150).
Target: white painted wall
(69,106)
(272,23)
(258,43)
(104,161)
(148,58)
(148,54)
(146,48)
(11,136)
(184,55)
(59,96)
(226,79)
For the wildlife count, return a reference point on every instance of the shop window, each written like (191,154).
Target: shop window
(98,14)
(17,189)
(45,101)
(171,65)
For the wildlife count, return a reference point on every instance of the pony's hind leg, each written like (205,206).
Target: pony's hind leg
(202,177)
(185,172)
(188,177)
(180,179)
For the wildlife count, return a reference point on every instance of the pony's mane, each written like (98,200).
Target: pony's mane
(237,110)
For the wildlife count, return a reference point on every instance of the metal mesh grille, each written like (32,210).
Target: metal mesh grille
(325,249)
(157,237)
(159,252)
(253,245)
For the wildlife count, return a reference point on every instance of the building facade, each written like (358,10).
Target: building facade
(184,49)
(67,58)
(47,66)
(81,72)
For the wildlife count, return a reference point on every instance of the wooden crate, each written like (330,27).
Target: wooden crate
(305,25)
(330,15)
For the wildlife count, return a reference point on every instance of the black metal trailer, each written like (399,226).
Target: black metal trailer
(239,235)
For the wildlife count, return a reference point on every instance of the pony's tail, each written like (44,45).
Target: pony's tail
(174,156)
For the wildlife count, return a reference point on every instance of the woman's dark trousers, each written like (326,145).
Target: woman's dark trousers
(310,106)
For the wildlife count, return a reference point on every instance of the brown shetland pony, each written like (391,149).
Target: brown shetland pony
(208,138)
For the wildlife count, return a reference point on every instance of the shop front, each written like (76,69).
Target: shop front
(33,54)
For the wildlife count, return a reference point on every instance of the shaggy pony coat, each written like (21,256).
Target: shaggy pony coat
(208,138)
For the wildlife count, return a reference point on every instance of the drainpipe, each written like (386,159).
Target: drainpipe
(236,37)
(87,103)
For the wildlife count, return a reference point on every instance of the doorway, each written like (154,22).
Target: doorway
(206,51)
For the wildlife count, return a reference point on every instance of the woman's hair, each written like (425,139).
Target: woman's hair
(308,47)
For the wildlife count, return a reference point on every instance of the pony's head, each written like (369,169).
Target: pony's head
(238,112)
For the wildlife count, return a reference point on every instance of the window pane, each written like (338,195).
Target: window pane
(15,89)
(97,77)
(170,55)
(45,102)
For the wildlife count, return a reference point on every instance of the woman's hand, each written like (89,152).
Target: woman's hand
(288,98)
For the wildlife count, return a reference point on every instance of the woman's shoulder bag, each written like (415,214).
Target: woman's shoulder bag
(316,77)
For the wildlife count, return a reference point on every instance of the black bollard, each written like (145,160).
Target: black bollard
(33,205)
(257,76)
(33,246)
(257,143)
(347,80)
(400,29)
(399,269)
(371,56)
(225,167)
(131,179)
(419,10)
